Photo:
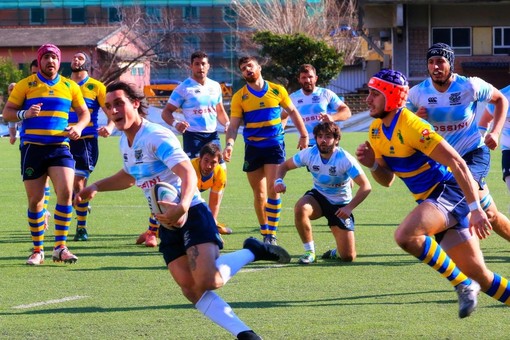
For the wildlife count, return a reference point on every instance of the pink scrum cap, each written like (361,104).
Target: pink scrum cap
(48,48)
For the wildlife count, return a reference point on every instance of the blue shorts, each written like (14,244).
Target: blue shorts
(449,199)
(505,163)
(199,228)
(329,210)
(85,152)
(255,158)
(192,142)
(479,163)
(36,159)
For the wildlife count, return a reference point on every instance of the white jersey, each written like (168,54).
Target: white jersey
(452,113)
(505,133)
(331,179)
(198,103)
(310,106)
(155,151)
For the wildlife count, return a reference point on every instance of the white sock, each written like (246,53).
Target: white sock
(310,246)
(218,311)
(507,181)
(229,264)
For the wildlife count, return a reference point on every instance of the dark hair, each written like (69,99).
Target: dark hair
(132,93)
(305,68)
(327,127)
(211,149)
(34,63)
(246,59)
(199,55)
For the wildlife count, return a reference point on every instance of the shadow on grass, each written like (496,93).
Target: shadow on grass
(378,299)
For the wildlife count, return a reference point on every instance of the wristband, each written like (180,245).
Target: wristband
(21,114)
(175,122)
(303,137)
(374,167)
(278,181)
(229,144)
(474,206)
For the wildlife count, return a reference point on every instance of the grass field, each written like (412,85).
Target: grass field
(118,290)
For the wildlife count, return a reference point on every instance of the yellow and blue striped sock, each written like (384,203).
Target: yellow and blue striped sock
(82,211)
(436,257)
(36,225)
(499,290)
(273,209)
(47,194)
(153,225)
(63,215)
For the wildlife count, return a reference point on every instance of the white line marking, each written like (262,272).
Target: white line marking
(50,302)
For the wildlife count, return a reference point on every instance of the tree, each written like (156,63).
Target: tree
(144,36)
(331,21)
(287,52)
(9,73)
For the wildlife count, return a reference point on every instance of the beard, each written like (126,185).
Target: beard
(441,82)
(325,149)
(380,115)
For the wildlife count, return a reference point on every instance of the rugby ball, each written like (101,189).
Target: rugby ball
(165,192)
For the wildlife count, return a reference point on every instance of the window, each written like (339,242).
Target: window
(501,40)
(137,71)
(37,16)
(77,15)
(229,15)
(154,14)
(230,43)
(458,38)
(113,14)
(190,13)
(192,43)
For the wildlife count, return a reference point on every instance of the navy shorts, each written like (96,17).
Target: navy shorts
(479,163)
(505,163)
(36,159)
(199,228)
(329,210)
(255,158)
(192,142)
(85,152)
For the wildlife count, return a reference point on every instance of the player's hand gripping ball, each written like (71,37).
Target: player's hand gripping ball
(165,192)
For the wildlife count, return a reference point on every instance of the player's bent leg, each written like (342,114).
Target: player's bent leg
(202,263)
(469,259)
(500,223)
(345,244)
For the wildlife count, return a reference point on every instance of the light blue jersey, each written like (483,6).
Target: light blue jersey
(452,113)
(155,151)
(331,179)
(198,103)
(505,133)
(311,106)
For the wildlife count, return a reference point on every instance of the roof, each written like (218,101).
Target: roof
(60,36)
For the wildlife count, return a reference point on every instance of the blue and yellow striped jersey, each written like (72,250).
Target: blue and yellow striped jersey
(261,112)
(94,93)
(57,97)
(405,146)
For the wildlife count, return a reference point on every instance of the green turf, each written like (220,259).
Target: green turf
(118,290)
